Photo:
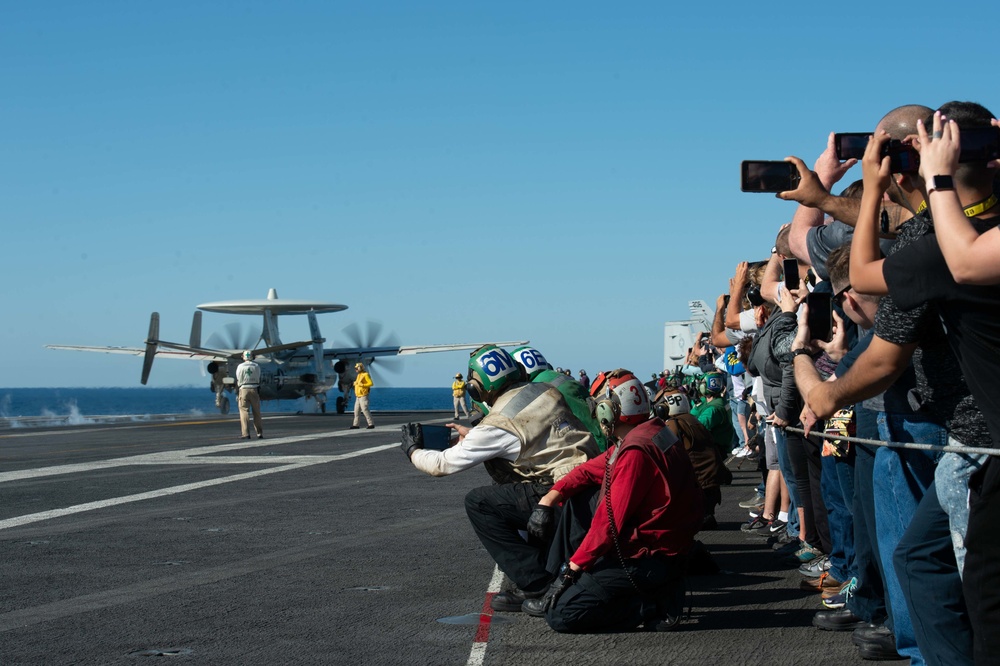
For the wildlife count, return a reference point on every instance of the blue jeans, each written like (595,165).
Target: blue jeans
(952,482)
(786,471)
(901,478)
(838,494)
(734,410)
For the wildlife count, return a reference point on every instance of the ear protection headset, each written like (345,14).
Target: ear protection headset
(474,387)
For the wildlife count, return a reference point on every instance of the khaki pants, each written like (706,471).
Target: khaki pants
(460,405)
(249,400)
(361,407)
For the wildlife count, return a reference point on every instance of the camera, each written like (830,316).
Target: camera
(980,144)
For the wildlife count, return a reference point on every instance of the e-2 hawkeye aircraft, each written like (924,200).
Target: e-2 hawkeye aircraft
(288,370)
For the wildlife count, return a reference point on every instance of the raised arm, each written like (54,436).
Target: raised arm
(866,257)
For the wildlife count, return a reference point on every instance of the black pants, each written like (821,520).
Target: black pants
(497,513)
(981,581)
(604,599)
(806,459)
(927,571)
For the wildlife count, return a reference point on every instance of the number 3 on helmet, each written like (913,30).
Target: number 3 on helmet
(626,401)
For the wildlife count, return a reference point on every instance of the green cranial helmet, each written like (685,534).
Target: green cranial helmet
(531,360)
(491,371)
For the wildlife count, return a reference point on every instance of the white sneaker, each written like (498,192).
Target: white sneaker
(743,453)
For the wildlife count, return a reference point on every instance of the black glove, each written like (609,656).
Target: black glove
(541,523)
(564,580)
(413,438)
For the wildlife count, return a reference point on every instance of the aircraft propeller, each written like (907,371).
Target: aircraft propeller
(235,335)
(371,334)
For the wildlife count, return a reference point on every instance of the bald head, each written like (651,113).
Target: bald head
(902,121)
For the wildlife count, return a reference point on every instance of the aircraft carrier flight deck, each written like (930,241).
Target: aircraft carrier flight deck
(139,542)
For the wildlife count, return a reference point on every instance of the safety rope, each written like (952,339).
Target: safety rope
(902,445)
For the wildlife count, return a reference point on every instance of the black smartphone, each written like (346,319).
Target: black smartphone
(790,267)
(850,145)
(436,437)
(820,319)
(902,158)
(980,144)
(764,176)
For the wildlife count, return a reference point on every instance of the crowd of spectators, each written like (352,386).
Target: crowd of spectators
(900,543)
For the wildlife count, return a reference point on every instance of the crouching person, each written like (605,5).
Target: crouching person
(627,568)
(529,440)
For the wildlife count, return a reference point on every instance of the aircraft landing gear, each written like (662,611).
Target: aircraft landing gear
(341,404)
(224,406)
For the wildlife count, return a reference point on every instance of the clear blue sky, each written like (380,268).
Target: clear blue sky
(565,172)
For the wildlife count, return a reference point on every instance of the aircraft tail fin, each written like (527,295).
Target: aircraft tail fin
(196,329)
(152,341)
(317,342)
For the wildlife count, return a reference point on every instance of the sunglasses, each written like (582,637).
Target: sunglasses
(839,296)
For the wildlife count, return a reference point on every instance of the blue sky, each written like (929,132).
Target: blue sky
(461,172)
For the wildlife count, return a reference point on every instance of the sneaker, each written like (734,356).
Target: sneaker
(754,525)
(371,427)
(756,501)
(806,553)
(744,452)
(824,582)
(783,543)
(815,567)
(353,428)
(835,602)
(777,526)
(847,591)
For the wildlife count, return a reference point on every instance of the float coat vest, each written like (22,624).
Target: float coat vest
(553,441)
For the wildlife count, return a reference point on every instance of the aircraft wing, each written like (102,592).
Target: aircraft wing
(191,353)
(368,352)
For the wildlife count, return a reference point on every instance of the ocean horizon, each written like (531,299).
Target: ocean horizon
(81,405)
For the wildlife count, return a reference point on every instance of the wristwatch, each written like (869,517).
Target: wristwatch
(802,351)
(941,183)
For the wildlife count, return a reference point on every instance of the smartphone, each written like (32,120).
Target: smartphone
(790,267)
(980,144)
(820,320)
(902,158)
(763,176)
(436,437)
(850,145)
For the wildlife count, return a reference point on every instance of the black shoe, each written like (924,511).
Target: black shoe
(837,620)
(371,427)
(869,632)
(534,607)
(511,600)
(260,436)
(880,649)
(709,523)
(353,428)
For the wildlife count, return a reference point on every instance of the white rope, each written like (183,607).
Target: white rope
(902,445)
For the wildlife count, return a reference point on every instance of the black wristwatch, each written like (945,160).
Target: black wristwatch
(941,183)
(802,351)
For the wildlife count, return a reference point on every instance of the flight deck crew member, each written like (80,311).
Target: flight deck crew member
(529,440)
(362,387)
(626,569)
(458,392)
(248,380)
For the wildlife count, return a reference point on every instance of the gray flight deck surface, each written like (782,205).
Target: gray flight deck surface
(315,545)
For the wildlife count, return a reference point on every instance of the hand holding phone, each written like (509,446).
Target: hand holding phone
(790,267)
(820,315)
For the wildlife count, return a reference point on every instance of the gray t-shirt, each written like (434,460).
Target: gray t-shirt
(822,240)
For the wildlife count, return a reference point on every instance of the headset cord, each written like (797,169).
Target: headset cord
(611,519)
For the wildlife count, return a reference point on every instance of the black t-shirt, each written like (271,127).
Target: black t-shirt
(918,274)
(939,390)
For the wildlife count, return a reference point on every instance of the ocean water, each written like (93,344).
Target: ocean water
(75,406)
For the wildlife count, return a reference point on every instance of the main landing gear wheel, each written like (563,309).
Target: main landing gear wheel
(341,405)
(224,406)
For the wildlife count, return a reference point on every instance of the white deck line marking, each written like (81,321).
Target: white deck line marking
(181,456)
(478,652)
(163,492)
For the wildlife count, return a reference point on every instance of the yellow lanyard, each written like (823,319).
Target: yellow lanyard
(980,207)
